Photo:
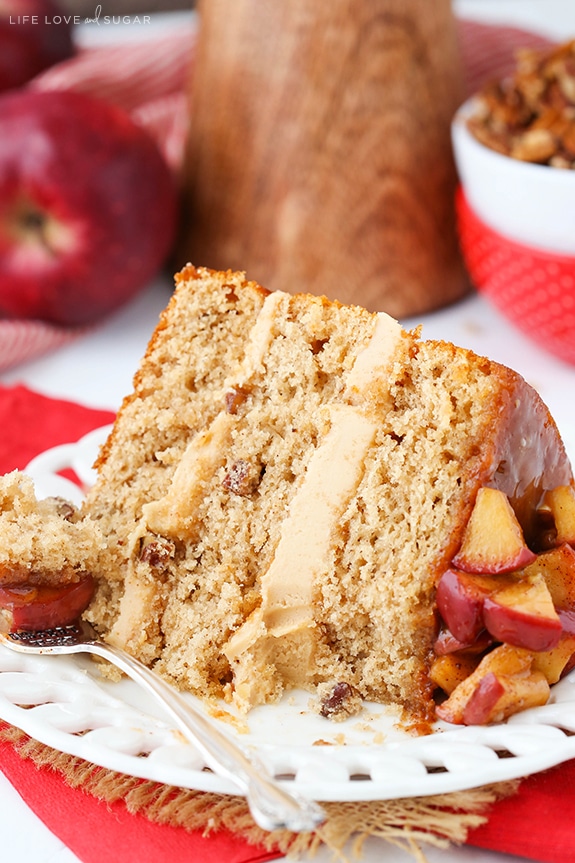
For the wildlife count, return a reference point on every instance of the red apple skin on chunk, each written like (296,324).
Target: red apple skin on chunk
(483,702)
(87,207)
(560,501)
(446,643)
(493,541)
(460,602)
(40,607)
(510,685)
(497,698)
(523,615)
(460,599)
(567,618)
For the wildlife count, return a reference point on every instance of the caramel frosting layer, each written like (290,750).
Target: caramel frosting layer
(280,632)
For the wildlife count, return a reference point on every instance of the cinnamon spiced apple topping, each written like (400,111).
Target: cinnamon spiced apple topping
(44,605)
(508,612)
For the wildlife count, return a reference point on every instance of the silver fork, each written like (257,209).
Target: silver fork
(271,806)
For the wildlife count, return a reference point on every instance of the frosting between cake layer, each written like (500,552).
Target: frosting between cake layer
(280,632)
(261,335)
(373,362)
(306,532)
(173,514)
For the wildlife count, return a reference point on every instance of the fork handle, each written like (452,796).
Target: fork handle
(271,806)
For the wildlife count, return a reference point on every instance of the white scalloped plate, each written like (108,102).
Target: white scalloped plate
(63,702)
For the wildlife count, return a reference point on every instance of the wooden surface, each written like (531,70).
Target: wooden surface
(320,157)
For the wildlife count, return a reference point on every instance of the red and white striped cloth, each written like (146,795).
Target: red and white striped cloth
(149,79)
(22,340)
(488,51)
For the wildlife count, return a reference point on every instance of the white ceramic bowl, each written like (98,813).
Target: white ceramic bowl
(516,224)
(531,204)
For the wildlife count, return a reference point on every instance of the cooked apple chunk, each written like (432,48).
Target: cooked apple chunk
(503,683)
(493,541)
(560,502)
(446,643)
(460,603)
(460,599)
(450,670)
(523,614)
(558,661)
(498,591)
(557,567)
(42,606)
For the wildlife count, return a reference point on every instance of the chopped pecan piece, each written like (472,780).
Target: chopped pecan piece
(158,552)
(535,145)
(243,477)
(340,702)
(64,508)
(235,398)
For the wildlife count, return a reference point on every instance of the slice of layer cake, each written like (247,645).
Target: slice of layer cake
(287,484)
(302,494)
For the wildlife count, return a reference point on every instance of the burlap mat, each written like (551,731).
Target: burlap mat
(407,823)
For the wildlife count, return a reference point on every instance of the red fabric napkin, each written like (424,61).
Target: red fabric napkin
(32,423)
(93,830)
(98,831)
(538,822)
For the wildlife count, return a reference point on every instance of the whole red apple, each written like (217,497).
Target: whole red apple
(34,34)
(87,207)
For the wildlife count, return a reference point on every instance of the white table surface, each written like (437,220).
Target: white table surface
(97,371)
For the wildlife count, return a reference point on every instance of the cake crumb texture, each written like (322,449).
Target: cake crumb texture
(42,542)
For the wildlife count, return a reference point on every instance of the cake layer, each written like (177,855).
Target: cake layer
(232,471)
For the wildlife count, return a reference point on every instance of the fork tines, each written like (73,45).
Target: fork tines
(58,636)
